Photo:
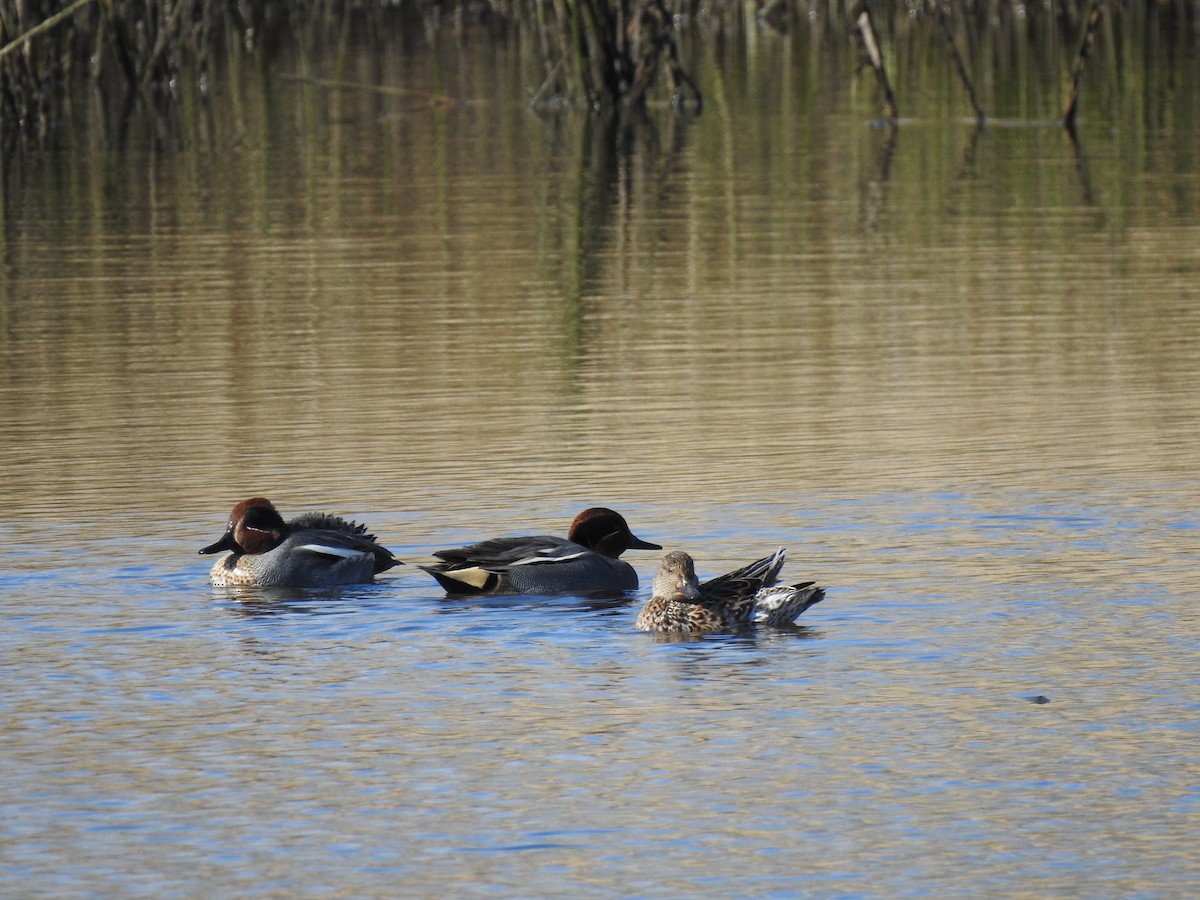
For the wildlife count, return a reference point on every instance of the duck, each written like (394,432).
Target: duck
(741,598)
(586,561)
(312,550)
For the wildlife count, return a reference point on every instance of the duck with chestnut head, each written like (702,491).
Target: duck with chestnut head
(587,560)
(312,550)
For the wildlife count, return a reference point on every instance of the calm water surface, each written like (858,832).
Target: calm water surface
(954,372)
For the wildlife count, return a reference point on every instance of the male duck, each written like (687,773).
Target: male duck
(740,598)
(585,562)
(312,550)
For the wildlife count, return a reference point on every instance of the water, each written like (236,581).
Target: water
(954,372)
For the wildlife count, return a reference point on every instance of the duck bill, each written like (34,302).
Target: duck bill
(636,543)
(225,543)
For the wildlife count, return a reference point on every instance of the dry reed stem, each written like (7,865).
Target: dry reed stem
(1085,49)
(865,28)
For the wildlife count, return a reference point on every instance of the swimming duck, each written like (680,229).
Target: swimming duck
(312,550)
(585,561)
(679,603)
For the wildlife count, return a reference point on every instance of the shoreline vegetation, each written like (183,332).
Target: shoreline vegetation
(607,56)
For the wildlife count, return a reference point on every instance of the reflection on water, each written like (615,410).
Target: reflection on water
(952,369)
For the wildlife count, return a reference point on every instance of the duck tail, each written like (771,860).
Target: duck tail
(384,559)
(464,582)
(781,606)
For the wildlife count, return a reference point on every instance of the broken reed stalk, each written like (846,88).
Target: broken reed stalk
(1085,49)
(865,26)
(956,57)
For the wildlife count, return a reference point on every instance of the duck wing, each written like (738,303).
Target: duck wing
(746,581)
(483,568)
(345,541)
(319,521)
(733,593)
(500,554)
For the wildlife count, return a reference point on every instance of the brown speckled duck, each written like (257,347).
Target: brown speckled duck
(739,599)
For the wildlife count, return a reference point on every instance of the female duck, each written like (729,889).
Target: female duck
(312,550)
(586,561)
(741,598)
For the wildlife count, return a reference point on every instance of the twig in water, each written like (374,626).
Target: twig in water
(1085,48)
(870,42)
(952,49)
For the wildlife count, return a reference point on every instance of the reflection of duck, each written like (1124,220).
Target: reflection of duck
(742,597)
(312,550)
(587,560)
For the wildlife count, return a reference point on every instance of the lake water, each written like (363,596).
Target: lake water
(955,371)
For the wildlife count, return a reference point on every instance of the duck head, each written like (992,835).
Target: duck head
(676,578)
(255,526)
(606,532)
